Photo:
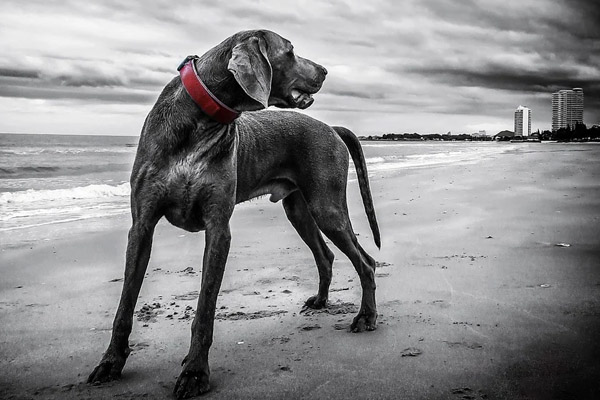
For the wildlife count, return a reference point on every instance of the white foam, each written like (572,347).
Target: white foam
(455,155)
(64,220)
(23,151)
(82,192)
(405,144)
(375,160)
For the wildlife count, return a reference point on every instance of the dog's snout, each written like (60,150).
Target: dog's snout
(321,73)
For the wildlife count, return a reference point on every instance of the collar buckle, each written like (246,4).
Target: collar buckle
(187,59)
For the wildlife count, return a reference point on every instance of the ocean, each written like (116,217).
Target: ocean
(50,179)
(55,179)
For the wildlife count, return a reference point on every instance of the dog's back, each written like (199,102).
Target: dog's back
(292,150)
(276,145)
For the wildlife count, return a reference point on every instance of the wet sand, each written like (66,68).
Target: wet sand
(488,288)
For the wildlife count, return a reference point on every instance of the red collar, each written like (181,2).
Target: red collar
(203,97)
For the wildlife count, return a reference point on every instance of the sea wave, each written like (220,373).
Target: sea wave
(56,169)
(25,151)
(18,170)
(82,192)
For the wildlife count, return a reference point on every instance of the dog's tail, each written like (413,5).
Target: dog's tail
(358,158)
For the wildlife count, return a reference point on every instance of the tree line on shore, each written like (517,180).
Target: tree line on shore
(579,132)
(432,136)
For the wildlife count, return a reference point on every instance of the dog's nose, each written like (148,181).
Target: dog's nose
(324,70)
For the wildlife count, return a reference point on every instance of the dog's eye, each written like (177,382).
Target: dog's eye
(290,52)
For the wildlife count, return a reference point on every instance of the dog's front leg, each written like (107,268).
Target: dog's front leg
(139,245)
(193,380)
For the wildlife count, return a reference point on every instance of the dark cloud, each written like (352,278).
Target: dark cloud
(163,11)
(263,16)
(90,81)
(87,95)
(529,49)
(86,84)
(361,95)
(31,78)
(366,94)
(18,73)
(150,83)
(576,18)
(580,20)
(130,50)
(125,85)
(507,77)
(538,85)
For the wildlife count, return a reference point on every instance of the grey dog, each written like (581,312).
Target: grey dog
(194,165)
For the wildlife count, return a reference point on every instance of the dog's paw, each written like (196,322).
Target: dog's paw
(191,384)
(110,366)
(364,322)
(315,302)
(106,371)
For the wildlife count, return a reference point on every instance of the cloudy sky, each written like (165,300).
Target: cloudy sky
(96,67)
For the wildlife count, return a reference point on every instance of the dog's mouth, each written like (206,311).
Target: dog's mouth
(301,99)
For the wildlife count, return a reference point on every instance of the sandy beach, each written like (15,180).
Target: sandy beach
(488,288)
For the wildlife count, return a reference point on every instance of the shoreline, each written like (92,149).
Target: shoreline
(474,295)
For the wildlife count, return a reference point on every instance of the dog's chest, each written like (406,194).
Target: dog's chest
(184,182)
(193,185)
(185,171)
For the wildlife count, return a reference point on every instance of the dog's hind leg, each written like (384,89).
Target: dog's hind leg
(331,215)
(297,212)
(139,245)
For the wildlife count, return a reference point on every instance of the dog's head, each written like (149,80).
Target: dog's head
(268,71)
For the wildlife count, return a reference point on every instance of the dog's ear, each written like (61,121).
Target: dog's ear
(251,68)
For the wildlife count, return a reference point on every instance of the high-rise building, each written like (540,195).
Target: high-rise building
(522,121)
(567,108)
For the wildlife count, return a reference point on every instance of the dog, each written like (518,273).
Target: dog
(198,156)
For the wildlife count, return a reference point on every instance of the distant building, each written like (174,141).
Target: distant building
(567,108)
(522,121)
